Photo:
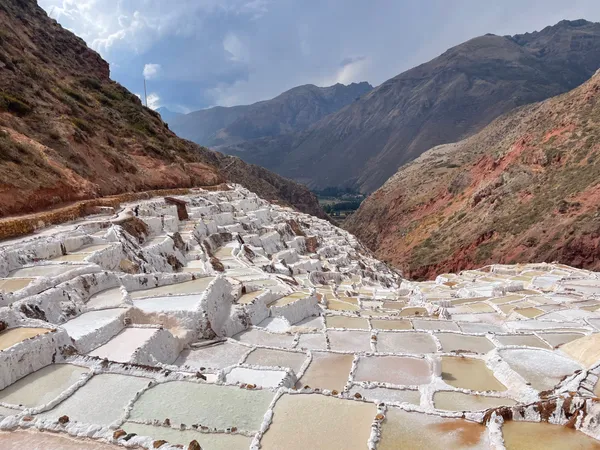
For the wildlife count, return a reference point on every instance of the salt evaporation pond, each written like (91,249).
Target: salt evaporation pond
(348,341)
(469,373)
(327,371)
(109,298)
(314,341)
(529,435)
(380,394)
(435,325)
(303,422)
(263,378)
(462,343)
(196,286)
(91,248)
(480,327)
(280,358)
(396,370)
(13,336)
(411,430)
(522,340)
(36,440)
(258,337)
(5,412)
(207,404)
(123,345)
(346,322)
(458,401)
(102,400)
(48,270)
(14,284)
(558,339)
(168,304)
(542,369)
(88,322)
(208,441)
(249,297)
(391,324)
(217,356)
(42,386)
(410,342)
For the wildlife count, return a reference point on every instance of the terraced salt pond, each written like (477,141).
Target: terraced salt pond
(395,370)
(391,324)
(543,369)
(196,286)
(109,298)
(464,344)
(349,341)
(346,322)
(431,352)
(469,373)
(379,394)
(210,405)
(208,441)
(411,342)
(528,435)
(48,270)
(36,440)
(88,322)
(264,378)
(268,357)
(13,336)
(258,337)
(101,400)
(42,386)
(166,304)
(522,340)
(14,284)
(122,347)
(216,356)
(302,422)
(458,401)
(249,297)
(327,371)
(402,429)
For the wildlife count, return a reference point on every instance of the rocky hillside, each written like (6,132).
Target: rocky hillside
(444,100)
(292,111)
(525,188)
(68,132)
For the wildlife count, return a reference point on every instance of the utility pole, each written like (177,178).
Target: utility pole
(145,93)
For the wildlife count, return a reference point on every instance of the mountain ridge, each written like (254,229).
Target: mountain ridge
(292,110)
(443,100)
(69,133)
(525,188)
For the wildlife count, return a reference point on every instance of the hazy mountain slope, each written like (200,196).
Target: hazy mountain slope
(525,188)
(68,132)
(294,110)
(166,114)
(441,101)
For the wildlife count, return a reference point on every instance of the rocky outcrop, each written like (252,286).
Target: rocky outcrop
(69,133)
(525,188)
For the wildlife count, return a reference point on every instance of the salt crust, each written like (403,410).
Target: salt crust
(282,254)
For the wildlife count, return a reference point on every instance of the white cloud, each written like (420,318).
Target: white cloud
(151,71)
(153,100)
(234,46)
(136,25)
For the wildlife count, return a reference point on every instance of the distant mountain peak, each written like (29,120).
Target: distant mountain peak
(291,111)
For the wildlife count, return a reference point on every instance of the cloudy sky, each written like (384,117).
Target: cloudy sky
(201,53)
